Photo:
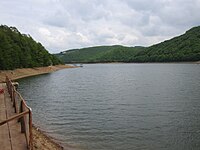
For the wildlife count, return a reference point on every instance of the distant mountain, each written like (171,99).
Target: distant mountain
(21,51)
(182,48)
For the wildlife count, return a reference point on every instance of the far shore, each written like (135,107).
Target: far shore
(179,62)
(26,72)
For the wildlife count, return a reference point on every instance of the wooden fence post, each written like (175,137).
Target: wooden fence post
(23,130)
(14,101)
(30,131)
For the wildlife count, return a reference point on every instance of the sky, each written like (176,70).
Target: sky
(67,24)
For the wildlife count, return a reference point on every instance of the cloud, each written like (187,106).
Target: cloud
(61,24)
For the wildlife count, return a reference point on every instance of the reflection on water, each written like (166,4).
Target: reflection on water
(119,106)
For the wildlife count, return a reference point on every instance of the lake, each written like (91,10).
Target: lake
(119,106)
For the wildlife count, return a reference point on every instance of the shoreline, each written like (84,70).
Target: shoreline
(27,72)
(178,62)
(41,140)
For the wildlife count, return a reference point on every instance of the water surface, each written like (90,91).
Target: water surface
(119,106)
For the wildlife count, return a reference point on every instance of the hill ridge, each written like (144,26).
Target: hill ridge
(185,47)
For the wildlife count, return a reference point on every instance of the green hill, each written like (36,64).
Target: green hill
(114,53)
(21,51)
(182,48)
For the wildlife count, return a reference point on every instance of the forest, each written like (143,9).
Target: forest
(22,51)
(182,48)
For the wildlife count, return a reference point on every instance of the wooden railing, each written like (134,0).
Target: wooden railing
(23,113)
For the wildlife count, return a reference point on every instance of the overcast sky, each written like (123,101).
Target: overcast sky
(66,24)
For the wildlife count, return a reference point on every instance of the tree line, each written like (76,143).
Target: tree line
(22,51)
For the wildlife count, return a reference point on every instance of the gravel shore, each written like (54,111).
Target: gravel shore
(41,141)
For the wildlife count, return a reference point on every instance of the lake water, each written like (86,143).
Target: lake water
(119,106)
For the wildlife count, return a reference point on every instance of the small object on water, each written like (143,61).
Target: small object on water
(78,65)
(1,91)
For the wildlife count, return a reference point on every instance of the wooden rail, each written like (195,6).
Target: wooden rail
(14,117)
(23,113)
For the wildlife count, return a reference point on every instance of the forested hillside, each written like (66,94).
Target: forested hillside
(182,48)
(21,51)
(114,53)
